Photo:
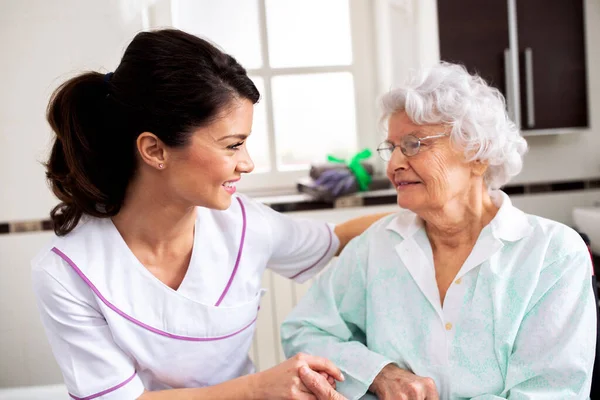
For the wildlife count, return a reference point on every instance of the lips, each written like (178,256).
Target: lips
(229,186)
(405,183)
(230,183)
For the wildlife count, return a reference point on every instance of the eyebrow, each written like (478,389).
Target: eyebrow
(240,136)
(418,133)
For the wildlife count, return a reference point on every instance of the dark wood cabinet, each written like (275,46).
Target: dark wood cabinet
(546,85)
(475,33)
(552,47)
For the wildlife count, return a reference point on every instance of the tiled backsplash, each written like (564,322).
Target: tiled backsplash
(303,202)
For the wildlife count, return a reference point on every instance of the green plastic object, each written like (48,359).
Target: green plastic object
(362,176)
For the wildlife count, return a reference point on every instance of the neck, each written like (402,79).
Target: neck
(460,221)
(149,217)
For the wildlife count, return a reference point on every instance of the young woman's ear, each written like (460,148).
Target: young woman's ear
(152,150)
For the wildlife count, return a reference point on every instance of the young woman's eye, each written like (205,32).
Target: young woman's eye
(235,146)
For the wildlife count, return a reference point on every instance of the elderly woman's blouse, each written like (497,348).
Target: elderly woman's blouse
(518,322)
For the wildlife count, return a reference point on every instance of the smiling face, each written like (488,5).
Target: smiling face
(204,171)
(433,177)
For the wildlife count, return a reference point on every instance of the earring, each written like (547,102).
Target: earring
(161,165)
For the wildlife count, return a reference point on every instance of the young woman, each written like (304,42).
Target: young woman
(152,286)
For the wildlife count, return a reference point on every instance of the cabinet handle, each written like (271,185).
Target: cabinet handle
(529,86)
(508,77)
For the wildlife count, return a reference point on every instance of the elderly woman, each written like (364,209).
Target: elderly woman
(459,295)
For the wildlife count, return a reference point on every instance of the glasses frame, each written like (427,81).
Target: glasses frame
(389,146)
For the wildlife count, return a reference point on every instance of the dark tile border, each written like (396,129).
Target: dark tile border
(594,184)
(512,190)
(379,197)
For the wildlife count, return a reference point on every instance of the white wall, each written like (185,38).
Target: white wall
(25,356)
(41,44)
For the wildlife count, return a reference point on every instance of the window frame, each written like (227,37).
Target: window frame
(363,69)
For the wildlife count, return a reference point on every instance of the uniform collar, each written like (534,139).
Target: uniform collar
(510,224)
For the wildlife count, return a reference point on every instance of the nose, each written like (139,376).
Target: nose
(398,161)
(245,164)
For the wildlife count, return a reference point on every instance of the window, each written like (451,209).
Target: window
(313,63)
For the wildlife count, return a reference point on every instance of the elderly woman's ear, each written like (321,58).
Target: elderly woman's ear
(479,167)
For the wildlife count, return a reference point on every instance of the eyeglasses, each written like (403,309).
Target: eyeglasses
(409,146)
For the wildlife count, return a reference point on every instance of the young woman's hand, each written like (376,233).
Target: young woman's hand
(284,380)
(394,383)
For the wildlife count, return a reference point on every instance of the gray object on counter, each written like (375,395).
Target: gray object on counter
(317,170)
(325,192)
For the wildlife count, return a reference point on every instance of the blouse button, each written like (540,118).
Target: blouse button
(458,281)
(448,326)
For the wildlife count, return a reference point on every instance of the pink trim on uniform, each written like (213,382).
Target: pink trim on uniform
(320,259)
(135,321)
(102,393)
(239,256)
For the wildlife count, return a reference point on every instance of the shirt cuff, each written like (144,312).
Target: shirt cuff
(131,388)
(360,374)
(335,244)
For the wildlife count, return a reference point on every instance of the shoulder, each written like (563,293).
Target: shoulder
(394,227)
(243,212)
(245,216)
(262,218)
(47,259)
(553,257)
(45,256)
(242,207)
(53,279)
(381,234)
(557,239)
(402,218)
(550,253)
(54,263)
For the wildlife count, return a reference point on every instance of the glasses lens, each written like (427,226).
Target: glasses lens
(385,150)
(410,145)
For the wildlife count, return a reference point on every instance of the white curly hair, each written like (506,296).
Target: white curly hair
(476,112)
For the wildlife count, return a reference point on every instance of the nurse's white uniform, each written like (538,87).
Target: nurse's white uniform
(117,330)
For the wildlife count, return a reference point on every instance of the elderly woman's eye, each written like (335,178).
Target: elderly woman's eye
(411,144)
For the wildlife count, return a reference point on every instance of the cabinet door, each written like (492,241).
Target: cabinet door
(475,33)
(552,64)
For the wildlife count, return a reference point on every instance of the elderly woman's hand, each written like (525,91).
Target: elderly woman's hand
(396,383)
(302,377)
(318,384)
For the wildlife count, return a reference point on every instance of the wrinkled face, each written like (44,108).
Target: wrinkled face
(434,176)
(205,171)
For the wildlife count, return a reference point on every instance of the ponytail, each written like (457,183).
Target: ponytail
(78,113)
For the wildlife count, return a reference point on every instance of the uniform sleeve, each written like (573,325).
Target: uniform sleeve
(300,247)
(92,364)
(554,351)
(329,321)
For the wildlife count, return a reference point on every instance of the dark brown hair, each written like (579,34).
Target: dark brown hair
(168,83)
